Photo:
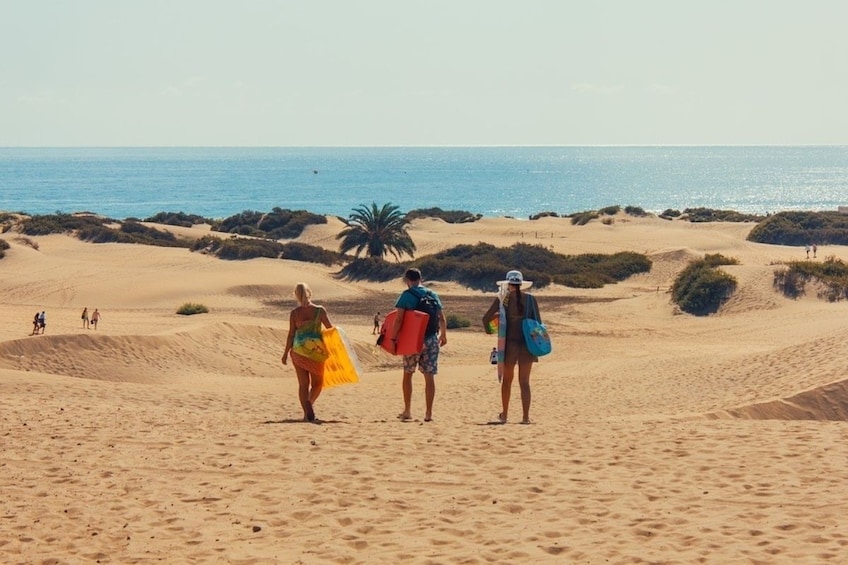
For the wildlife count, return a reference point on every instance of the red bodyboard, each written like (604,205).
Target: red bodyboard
(411,338)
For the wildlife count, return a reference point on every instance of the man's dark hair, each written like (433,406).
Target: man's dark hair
(412,275)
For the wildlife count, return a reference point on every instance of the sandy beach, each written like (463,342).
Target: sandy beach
(657,437)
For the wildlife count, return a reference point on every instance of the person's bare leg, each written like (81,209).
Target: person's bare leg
(407,396)
(303,393)
(315,391)
(317,387)
(429,395)
(506,390)
(524,385)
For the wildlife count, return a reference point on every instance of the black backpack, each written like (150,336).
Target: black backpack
(428,304)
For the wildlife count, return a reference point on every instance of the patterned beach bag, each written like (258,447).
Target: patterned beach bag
(535,333)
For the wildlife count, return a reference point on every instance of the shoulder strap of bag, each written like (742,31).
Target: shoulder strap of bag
(532,310)
(424,292)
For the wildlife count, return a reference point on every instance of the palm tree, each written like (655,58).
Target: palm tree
(377,231)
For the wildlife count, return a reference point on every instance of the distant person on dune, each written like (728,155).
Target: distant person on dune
(306,347)
(34,324)
(42,322)
(376,324)
(95,317)
(85,323)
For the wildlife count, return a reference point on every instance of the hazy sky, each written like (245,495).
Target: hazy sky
(396,72)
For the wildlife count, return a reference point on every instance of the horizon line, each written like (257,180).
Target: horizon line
(422,146)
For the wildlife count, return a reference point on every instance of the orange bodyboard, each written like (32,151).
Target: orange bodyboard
(411,338)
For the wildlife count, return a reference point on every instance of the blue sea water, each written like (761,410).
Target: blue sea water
(493,181)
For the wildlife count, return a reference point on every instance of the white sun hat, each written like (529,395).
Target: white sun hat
(515,277)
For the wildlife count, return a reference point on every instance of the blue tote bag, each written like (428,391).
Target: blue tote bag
(535,333)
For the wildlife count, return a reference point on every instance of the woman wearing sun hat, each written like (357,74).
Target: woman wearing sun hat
(509,307)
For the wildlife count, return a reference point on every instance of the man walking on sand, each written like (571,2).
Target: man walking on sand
(418,297)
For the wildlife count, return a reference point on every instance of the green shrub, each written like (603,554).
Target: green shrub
(711,215)
(831,274)
(206,244)
(94,229)
(594,270)
(701,288)
(4,245)
(670,213)
(178,219)
(449,216)
(238,248)
(295,251)
(276,224)
(130,232)
(242,248)
(60,223)
(790,282)
(191,308)
(372,269)
(610,210)
(582,218)
(102,234)
(635,211)
(480,266)
(455,322)
(802,228)
(544,215)
(717,259)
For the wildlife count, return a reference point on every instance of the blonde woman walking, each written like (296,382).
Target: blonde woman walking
(304,345)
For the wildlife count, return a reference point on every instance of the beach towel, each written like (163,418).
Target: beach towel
(308,342)
(503,294)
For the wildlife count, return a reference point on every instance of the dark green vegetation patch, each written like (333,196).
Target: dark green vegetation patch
(372,269)
(544,215)
(802,228)
(60,223)
(192,308)
(701,288)
(241,248)
(831,277)
(696,215)
(276,224)
(179,219)
(455,321)
(583,218)
(96,229)
(480,266)
(130,232)
(449,216)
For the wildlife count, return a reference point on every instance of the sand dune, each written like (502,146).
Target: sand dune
(657,437)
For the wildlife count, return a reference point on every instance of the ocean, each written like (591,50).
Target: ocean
(492,181)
